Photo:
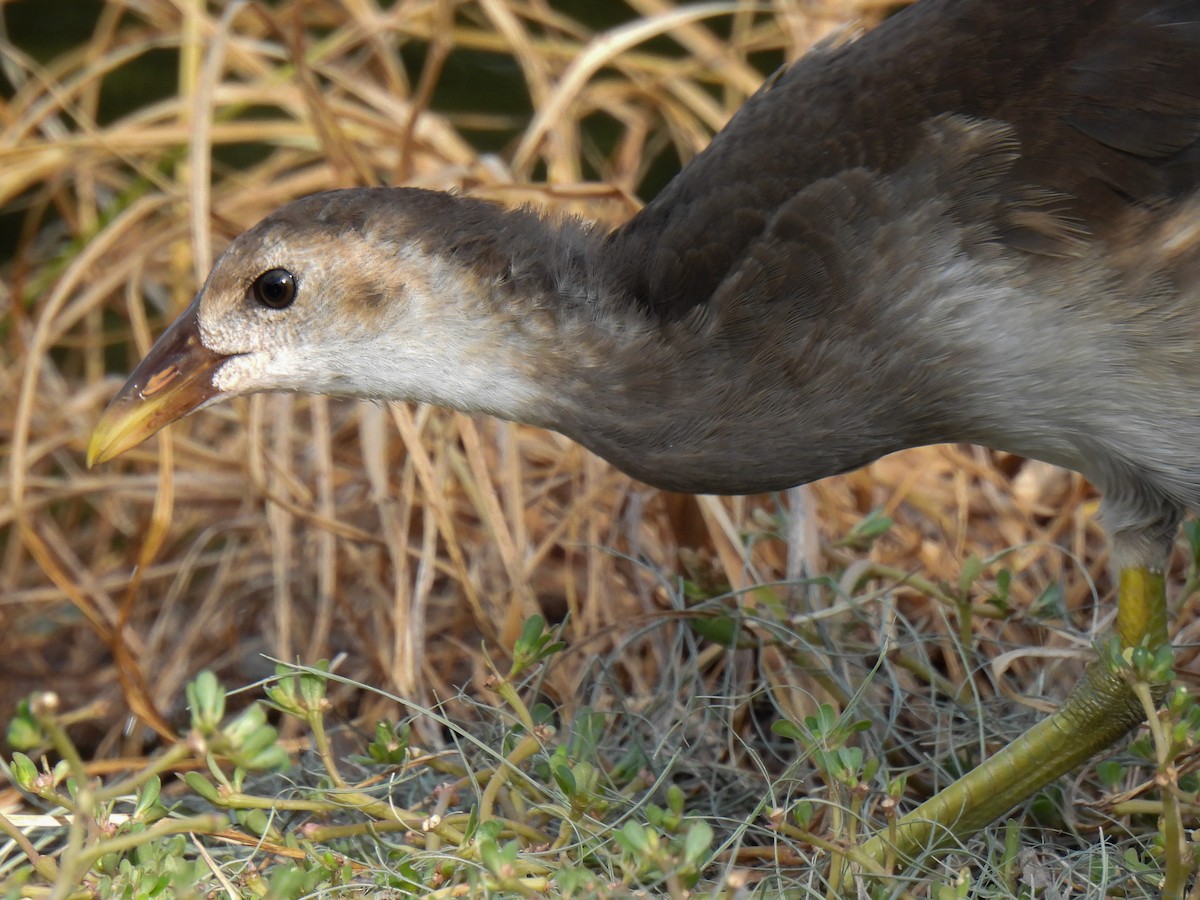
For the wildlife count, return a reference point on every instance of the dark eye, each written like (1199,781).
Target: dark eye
(275,288)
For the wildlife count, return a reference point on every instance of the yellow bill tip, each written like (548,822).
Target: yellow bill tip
(174,379)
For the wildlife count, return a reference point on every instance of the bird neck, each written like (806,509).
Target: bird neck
(738,394)
(544,331)
(691,404)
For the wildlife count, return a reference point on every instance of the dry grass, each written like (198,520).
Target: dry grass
(400,540)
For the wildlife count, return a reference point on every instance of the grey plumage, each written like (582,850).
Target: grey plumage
(976,223)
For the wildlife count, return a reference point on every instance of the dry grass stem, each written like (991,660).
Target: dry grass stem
(399,541)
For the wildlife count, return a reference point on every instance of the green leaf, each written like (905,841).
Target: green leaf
(675,799)
(720,629)
(630,765)
(971,569)
(865,533)
(802,812)
(1162,669)
(23,731)
(566,780)
(586,731)
(1000,599)
(633,837)
(531,632)
(24,772)
(1049,603)
(824,722)
(206,700)
(283,693)
(472,826)
(786,728)
(202,786)
(148,797)
(655,815)
(312,687)
(255,820)
(390,746)
(695,845)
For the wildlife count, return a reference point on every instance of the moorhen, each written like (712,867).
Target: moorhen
(980,222)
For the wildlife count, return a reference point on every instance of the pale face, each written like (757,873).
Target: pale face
(301,308)
(339,294)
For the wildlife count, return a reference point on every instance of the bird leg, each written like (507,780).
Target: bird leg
(1098,712)
(1142,608)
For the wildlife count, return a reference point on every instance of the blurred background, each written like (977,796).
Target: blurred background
(404,543)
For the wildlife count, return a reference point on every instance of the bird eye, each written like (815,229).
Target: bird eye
(275,288)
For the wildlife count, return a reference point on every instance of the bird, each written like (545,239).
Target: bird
(979,222)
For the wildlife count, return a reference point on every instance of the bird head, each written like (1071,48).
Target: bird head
(382,293)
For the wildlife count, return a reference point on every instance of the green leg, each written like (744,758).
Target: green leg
(1097,713)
